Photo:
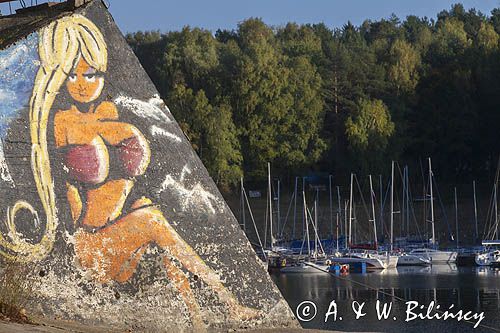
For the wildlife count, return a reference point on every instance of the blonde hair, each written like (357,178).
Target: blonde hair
(60,46)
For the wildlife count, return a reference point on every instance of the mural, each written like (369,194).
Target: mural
(102,193)
(103,157)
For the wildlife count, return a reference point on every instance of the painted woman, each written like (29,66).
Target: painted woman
(103,157)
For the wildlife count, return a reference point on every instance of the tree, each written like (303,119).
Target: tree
(487,38)
(450,40)
(368,132)
(211,131)
(404,62)
(257,82)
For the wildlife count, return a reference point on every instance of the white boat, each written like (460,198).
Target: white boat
(314,262)
(390,260)
(406,259)
(435,256)
(491,258)
(372,261)
(307,267)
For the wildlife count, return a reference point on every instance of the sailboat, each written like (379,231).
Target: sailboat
(432,254)
(403,259)
(492,257)
(372,260)
(315,262)
(391,261)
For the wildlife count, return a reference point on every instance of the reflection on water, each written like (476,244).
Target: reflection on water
(467,288)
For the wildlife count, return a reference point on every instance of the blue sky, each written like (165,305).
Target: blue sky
(165,15)
(168,15)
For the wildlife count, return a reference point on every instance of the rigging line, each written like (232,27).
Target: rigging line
(489,228)
(364,203)
(265,223)
(287,214)
(489,214)
(443,211)
(315,232)
(253,221)
(384,227)
(412,208)
(390,295)
(424,189)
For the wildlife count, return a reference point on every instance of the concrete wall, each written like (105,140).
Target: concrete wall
(103,193)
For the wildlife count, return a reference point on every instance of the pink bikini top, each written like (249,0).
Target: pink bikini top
(88,164)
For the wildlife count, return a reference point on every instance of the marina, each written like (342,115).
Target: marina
(354,236)
(468,288)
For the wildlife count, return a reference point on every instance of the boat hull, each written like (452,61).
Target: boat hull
(436,256)
(412,260)
(371,263)
(306,268)
(488,259)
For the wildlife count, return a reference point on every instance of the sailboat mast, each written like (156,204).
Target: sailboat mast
(338,217)
(350,210)
(331,202)
(392,206)
(346,245)
(315,227)
(307,224)
(475,210)
(294,207)
(495,236)
(243,214)
(270,201)
(433,240)
(407,187)
(381,203)
(278,216)
(456,215)
(372,196)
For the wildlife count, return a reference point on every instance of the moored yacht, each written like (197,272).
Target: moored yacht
(307,267)
(406,259)
(435,256)
(372,261)
(491,258)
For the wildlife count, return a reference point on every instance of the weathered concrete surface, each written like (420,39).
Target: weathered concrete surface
(101,189)
(57,327)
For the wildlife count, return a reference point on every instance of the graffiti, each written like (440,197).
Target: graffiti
(155,130)
(102,158)
(4,169)
(195,198)
(154,108)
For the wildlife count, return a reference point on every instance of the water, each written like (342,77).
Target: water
(467,288)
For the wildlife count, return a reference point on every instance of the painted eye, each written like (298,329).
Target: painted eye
(72,77)
(90,78)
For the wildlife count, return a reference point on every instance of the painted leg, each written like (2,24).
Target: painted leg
(193,263)
(181,283)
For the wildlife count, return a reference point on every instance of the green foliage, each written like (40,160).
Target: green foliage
(487,38)
(404,62)
(370,127)
(306,97)
(368,131)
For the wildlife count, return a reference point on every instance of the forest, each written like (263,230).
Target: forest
(311,99)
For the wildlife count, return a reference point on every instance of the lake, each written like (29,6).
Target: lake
(474,289)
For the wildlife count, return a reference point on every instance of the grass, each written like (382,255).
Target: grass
(17,285)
